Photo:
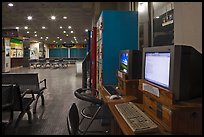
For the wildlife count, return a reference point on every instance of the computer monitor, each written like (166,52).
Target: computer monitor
(130,63)
(177,68)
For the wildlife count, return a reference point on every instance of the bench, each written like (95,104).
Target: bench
(21,102)
(27,82)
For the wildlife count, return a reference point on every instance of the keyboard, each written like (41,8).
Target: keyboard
(138,121)
(111,90)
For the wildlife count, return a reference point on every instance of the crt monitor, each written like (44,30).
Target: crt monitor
(130,63)
(177,68)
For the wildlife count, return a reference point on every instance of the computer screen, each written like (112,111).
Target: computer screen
(157,66)
(124,62)
(178,68)
(130,63)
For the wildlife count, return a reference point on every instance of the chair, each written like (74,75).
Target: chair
(93,111)
(7,106)
(22,103)
(73,120)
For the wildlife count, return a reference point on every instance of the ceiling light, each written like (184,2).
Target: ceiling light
(41,37)
(67,35)
(58,37)
(53,40)
(72,31)
(43,27)
(84,39)
(86,30)
(74,37)
(36,35)
(157,17)
(10,4)
(141,7)
(17,27)
(35,31)
(64,31)
(53,17)
(64,42)
(26,27)
(69,27)
(60,27)
(46,37)
(29,17)
(27,31)
(65,17)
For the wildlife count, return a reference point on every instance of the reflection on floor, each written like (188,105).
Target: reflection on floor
(51,119)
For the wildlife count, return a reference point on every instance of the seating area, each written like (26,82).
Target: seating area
(28,82)
(44,63)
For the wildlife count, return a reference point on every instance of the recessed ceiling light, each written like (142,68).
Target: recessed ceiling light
(43,27)
(65,17)
(46,37)
(17,27)
(64,42)
(69,27)
(29,17)
(10,4)
(41,37)
(35,31)
(53,17)
(36,35)
(67,35)
(60,27)
(74,37)
(64,31)
(72,31)
(26,27)
(86,30)
(58,37)
(157,17)
(28,32)
(53,40)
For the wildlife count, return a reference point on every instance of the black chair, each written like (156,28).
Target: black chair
(7,106)
(22,102)
(93,111)
(73,120)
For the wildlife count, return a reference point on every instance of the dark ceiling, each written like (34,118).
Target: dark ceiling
(79,17)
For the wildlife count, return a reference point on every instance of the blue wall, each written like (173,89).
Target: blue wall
(58,52)
(120,32)
(77,52)
(63,52)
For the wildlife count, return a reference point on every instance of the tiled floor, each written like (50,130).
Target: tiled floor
(51,119)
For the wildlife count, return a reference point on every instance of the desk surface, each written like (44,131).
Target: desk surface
(111,104)
(119,119)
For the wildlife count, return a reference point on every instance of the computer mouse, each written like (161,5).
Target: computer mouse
(115,97)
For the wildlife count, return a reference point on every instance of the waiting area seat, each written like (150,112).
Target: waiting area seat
(21,102)
(28,82)
(7,106)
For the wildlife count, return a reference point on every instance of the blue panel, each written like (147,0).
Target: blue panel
(77,52)
(120,32)
(58,52)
